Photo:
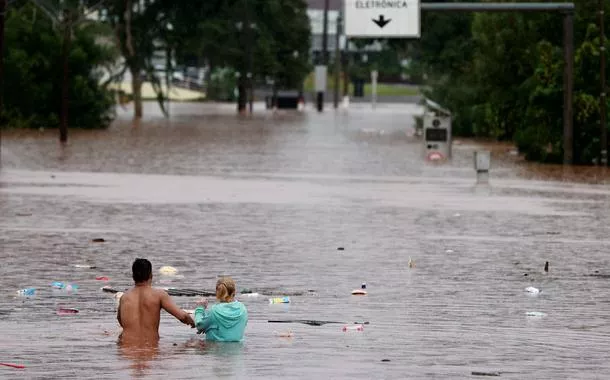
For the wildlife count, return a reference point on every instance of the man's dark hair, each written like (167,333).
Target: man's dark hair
(142,270)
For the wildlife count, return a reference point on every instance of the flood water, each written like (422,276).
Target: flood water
(269,200)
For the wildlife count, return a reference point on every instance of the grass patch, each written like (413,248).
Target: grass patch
(383,89)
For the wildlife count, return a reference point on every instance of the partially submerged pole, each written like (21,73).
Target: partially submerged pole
(2,15)
(337,62)
(602,95)
(568,88)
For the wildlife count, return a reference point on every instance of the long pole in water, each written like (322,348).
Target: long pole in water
(2,13)
(568,88)
(602,96)
(320,99)
(337,62)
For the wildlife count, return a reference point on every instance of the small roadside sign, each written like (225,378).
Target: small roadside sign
(382,18)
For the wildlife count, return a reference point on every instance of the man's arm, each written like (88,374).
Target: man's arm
(170,306)
(118,312)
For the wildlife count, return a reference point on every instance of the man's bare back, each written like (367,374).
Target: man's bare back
(139,310)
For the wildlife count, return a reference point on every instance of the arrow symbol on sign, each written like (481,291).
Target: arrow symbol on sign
(381,22)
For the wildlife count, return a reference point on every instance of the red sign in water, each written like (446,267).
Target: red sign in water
(435,156)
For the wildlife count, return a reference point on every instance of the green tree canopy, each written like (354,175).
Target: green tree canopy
(33,73)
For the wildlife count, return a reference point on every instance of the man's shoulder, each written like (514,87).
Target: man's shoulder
(157,293)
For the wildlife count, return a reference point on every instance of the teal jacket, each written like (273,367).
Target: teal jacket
(224,322)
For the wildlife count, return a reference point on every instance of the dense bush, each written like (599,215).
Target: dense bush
(33,73)
(502,76)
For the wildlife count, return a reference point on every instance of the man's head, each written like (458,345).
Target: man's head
(142,271)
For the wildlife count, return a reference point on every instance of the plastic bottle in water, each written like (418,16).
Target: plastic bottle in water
(63,286)
(26,292)
(279,300)
(353,328)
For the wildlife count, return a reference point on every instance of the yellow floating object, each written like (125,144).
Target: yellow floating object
(168,270)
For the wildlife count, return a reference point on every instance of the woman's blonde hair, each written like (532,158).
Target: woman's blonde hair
(225,289)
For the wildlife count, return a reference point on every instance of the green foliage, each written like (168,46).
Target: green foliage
(33,72)
(502,76)
(270,38)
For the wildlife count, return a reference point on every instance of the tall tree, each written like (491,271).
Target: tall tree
(259,39)
(141,27)
(34,67)
(66,15)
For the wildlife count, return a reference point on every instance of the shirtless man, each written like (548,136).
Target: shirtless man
(139,309)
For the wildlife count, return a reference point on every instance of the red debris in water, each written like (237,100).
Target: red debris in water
(66,311)
(19,366)
(102,278)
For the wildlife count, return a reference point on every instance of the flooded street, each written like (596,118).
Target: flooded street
(269,200)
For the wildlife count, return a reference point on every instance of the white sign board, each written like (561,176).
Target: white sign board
(382,18)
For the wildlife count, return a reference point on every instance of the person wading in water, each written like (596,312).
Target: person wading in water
(139,309)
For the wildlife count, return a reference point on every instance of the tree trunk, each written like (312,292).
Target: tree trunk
(65,83)
(136,90)
(242,97)
(209,86)
(274,95)
(134,67)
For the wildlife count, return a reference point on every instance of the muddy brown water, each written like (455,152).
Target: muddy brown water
(268,200)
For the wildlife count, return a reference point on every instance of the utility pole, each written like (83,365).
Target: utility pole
(2,14)
(65,92)
(602,96)
(337,61)
(346,59)
(324,53)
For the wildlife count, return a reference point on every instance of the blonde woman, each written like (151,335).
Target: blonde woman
(225,321)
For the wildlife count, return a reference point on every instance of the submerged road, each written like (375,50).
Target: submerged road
(269,200)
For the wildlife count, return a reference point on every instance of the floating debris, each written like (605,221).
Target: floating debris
(98,240)
(411,263)
(532,290)
(64,286)
(12,365)
(66,311)
(314,322)
(26,292)
(361,291)
(277,300)
(480,373)
(168,271)
(284,334)
(535,314)
(85,266)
